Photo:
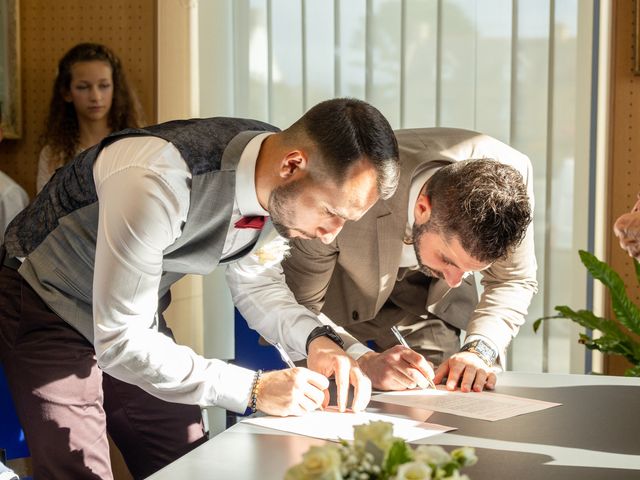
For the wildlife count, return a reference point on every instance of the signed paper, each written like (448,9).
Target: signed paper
(333,425)
(481,405)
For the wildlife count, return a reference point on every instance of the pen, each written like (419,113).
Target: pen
(404,343)
(283,354)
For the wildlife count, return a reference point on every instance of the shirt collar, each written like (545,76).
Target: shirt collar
(246,196)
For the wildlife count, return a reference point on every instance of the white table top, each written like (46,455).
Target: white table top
(594,434)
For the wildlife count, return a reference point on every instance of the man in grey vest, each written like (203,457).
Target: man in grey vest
(88,267)
(463,204)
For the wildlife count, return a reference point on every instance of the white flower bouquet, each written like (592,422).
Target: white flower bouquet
(376,454)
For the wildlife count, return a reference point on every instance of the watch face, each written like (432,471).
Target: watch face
(483,350)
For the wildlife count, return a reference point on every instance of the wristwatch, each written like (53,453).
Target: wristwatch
(481,349)
(324,331)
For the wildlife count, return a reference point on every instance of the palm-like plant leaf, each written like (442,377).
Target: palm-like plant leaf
(614,339)
(626,312)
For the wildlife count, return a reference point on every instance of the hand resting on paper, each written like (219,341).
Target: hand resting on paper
(398,368)
(468,371)
(327,358)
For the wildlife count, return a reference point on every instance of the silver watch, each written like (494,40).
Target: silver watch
(481,349)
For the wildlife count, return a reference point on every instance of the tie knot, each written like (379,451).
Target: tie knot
(255,222)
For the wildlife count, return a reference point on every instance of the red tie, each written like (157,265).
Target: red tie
(256,222)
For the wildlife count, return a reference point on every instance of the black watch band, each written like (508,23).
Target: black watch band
(324,331)
(483,350)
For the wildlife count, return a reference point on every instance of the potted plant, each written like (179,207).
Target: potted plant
(617,337)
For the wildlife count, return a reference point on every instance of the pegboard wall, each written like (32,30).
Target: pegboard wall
(624,158)
(47,30)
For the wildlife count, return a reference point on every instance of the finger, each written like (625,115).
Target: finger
(455,372)
(307,404)
(314,394)
(491,381)
(327,397)
(361,390)
(467,378)
(480,381)
(442,372)
(316,379)
(342,382)
(421,368)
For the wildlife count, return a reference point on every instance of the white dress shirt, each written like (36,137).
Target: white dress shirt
(143,186)
(13,199)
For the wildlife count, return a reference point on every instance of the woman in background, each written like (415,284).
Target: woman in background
(91,98)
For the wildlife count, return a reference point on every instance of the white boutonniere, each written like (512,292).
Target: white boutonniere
(271,249)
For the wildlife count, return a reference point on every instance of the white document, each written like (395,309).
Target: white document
(481,405)
(330,424)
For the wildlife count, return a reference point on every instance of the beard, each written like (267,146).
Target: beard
(417,232)
(281,207)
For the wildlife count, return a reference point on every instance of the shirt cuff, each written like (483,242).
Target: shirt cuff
(357,350)
(234,385)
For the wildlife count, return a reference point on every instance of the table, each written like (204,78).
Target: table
(594,434)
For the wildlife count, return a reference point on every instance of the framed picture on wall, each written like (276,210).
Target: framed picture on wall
(10,106)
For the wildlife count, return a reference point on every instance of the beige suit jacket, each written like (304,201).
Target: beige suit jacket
(351,279)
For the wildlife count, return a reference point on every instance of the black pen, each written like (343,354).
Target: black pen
(404,343)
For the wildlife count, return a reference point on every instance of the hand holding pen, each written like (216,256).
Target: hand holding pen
(404,343)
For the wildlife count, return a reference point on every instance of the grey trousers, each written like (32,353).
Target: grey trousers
(66,404)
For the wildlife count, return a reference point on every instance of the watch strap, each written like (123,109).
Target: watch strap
(324,331)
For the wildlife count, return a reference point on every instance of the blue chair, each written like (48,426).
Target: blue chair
(11,435)
(250,353)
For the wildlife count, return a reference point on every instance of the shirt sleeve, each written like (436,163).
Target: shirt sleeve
(12,200)
(266,302)
(261,295)
(142,208)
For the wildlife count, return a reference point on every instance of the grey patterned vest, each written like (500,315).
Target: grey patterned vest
(57,233)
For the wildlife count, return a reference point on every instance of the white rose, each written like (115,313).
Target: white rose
(465,456)
(379,433)
(319,463)
(432,454)
(413,471)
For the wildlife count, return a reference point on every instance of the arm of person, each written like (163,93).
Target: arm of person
(12,200)
(45,168)
(264,299)
(509,286)
(627,229)
(308,271)
(141,213)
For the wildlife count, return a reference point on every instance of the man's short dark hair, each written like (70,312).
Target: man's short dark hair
(345,130)
(484,203)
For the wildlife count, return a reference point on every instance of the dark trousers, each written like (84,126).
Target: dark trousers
(66,404)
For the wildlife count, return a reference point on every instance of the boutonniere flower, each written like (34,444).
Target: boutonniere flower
(271,251)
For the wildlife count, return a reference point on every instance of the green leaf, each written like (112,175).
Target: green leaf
(633,371)
(626,312)
(399,453)
(636,264)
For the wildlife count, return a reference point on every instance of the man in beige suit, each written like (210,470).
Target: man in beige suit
(406,264)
